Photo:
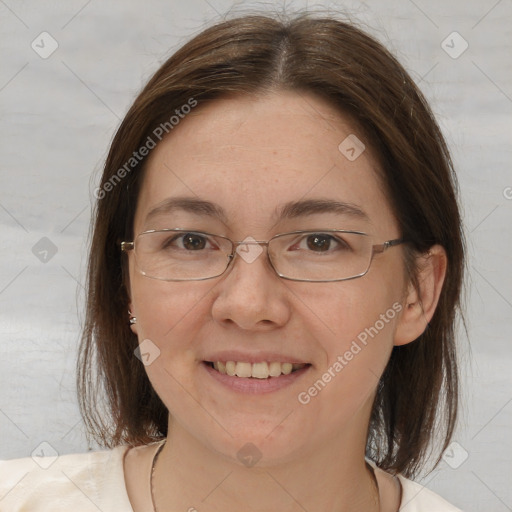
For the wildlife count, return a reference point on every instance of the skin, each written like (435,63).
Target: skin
(249,155)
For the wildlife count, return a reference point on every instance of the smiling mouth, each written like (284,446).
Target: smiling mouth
(263,370)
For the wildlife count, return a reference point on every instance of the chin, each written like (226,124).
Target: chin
(266,446)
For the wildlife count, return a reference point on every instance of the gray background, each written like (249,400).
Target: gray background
(59,114)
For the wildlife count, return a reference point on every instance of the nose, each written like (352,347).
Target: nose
(250,294)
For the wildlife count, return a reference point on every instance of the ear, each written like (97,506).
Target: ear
(420,304)
(131,313)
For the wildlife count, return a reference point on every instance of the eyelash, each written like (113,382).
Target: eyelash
(341,243)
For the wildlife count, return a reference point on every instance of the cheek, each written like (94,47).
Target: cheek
(348,310)
(354,322)
(170,316)
(170,313)
(355,326)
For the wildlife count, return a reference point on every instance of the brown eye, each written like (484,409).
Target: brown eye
(193,242)
(186,242)
(319,243)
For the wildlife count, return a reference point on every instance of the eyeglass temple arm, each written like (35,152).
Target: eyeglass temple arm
(127,246)
(389,243)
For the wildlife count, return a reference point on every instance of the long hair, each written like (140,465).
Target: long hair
(417,396)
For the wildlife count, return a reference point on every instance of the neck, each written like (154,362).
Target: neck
(192,476)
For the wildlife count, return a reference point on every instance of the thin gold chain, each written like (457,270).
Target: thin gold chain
(153,465)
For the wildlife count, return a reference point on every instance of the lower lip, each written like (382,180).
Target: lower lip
(252,385)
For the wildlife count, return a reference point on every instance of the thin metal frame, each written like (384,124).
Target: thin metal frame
(376,249)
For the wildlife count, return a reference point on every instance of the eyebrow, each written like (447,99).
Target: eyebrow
(290,210)
(302,208)
(188,204)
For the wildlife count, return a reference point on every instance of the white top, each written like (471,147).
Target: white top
(94,481)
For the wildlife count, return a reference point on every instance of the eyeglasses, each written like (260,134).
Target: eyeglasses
(316,256)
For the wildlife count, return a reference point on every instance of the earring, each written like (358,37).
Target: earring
(133,320)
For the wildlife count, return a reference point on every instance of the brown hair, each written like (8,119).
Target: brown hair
(418,393)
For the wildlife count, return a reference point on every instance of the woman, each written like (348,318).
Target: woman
(274,276)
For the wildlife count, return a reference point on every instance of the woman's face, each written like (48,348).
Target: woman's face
(250,157)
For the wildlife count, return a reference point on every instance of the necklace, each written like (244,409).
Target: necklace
(153,465)
(157,453)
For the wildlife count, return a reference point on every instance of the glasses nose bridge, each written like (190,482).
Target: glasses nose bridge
(251,241)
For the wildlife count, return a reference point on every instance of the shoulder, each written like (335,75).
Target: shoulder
(88,481)
(416,498)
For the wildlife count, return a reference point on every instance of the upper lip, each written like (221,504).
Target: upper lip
(252,357)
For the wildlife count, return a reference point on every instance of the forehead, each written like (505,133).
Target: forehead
(251,155)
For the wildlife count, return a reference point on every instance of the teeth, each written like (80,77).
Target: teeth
(261,370)
(230,368)
(243,369)
(274,369)
(286,368)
